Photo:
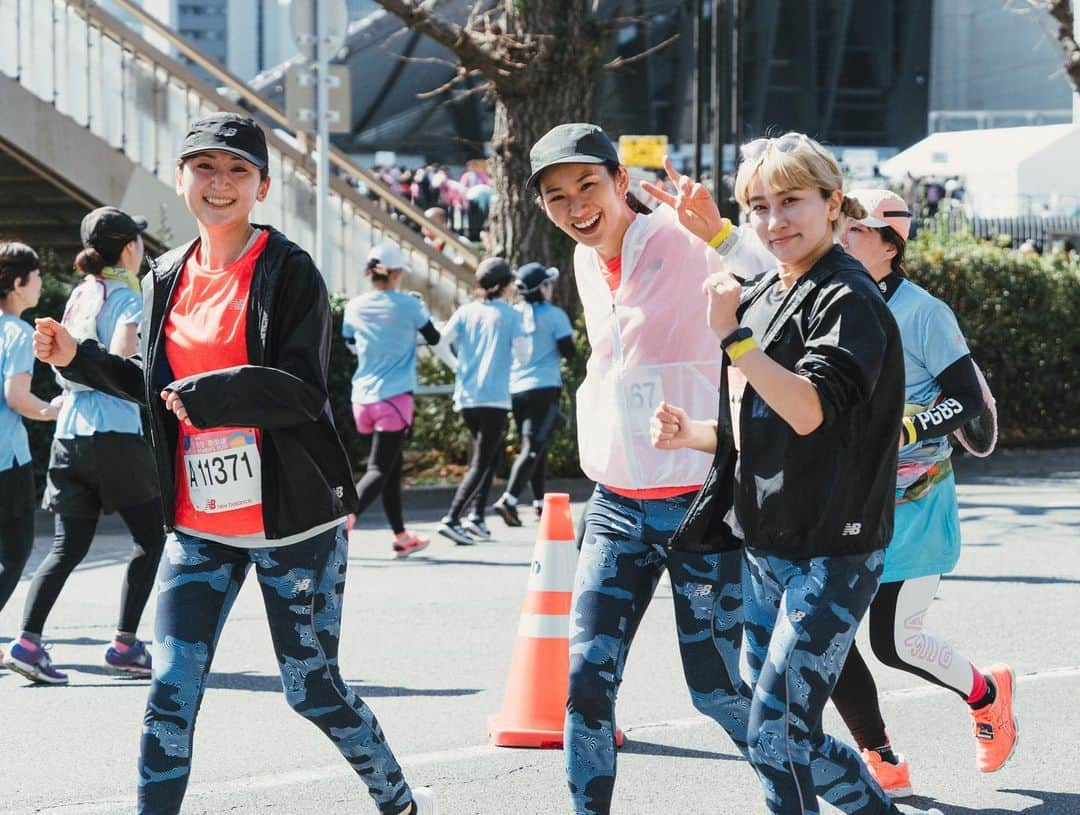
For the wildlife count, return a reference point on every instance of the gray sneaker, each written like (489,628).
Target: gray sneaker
(456,533)
(476,528)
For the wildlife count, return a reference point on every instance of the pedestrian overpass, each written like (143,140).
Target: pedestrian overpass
(93,113)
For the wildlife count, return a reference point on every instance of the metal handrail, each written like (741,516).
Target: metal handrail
(272,112)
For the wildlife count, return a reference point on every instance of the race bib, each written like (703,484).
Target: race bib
(644,392)
(224,470)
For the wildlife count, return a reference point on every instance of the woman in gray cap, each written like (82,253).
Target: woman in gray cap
(94,432)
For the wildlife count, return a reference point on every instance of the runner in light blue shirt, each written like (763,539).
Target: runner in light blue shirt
(489,335)
(20,289)
(536,385)
(380,327)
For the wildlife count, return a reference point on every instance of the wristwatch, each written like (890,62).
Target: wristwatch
(740,333)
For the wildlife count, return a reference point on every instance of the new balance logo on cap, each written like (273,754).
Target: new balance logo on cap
(851,529)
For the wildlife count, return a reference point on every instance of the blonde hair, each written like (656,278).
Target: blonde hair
(793,161)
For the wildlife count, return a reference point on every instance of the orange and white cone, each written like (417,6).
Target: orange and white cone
(535,704)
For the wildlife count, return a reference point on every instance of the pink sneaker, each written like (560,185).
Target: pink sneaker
(408,542)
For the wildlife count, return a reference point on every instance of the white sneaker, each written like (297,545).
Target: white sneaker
(424,798)
(932,811)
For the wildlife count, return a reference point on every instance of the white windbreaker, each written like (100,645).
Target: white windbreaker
(650,343)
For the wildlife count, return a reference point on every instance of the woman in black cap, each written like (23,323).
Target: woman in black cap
(20,289)
(536,384)
(232,366)
(488,335)
(94,433)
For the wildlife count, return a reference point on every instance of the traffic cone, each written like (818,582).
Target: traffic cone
(534,707)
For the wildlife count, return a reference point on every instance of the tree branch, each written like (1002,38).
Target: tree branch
(468,48)
(1061,11)
(620,62)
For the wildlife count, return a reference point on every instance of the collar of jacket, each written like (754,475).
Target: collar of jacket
(173,261)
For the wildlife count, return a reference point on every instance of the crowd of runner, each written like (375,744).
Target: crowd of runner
(815,491)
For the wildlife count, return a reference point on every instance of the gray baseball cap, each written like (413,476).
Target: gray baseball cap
(571,143)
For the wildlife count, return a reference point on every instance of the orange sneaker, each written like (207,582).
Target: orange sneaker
(995,726)
(408,542)
(895,779)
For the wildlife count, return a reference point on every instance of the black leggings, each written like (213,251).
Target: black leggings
(383,476)
(16,541)
(71,542)
(535,413)
(487,426)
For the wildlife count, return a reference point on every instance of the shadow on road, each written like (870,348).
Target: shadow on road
(1034,580)
(647,748)
(371,561)
(1051,803)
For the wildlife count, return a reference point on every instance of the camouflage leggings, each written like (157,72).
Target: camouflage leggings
(622,558)
(302,588)
(801,618)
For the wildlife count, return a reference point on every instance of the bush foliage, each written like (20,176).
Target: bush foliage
(1020,314)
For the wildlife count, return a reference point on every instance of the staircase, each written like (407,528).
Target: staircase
(93,113)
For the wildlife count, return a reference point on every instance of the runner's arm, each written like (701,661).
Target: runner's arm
(19,398)
(961,400)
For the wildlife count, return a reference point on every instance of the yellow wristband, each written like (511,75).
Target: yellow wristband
(909,429)
(737,349)
(722,235)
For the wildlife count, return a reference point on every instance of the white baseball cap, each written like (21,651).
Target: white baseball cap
(884,208)
(388,255)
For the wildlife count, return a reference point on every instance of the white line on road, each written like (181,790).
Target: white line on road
(249,783)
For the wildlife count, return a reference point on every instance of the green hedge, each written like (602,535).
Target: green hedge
(1020,314)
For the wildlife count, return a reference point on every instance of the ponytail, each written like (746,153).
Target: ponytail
(636,204)
(90,261)
(851,208)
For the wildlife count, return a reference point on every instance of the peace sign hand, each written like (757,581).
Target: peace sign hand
(692,202)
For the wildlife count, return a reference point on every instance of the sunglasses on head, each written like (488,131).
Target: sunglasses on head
(753,150)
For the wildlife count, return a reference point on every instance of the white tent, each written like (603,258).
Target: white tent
(1005,171)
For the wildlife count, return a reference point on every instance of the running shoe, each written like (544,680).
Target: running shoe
(477,528)
(538,508)
(456,533)
(33,662)
(130,660)
(895,779)
(931,811)
(507,512)
(408,542)
(424,802)
(995,725)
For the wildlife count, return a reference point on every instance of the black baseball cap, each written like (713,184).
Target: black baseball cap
(109,230)
(571,143)
(532,275)
(493,272)
(231,132)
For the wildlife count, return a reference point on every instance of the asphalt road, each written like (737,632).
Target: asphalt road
(428,641)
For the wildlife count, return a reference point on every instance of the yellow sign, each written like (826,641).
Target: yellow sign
(643,151)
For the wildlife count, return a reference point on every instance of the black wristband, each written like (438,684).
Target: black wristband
(740,333)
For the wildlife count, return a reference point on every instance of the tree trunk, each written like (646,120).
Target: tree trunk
(555,87)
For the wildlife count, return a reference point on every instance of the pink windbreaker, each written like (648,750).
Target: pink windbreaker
(650,343)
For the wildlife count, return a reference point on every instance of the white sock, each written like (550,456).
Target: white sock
(509,500)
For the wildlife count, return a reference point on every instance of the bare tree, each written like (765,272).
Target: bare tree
(538,59)
(1062,13)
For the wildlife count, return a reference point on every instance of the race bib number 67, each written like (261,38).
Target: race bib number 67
(224,470)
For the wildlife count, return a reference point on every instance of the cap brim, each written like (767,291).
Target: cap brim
(578,159)
(870,220)
(246,156)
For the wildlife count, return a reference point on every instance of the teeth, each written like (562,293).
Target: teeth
(588,223)
(219,202)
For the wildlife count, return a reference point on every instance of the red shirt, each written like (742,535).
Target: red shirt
(612,272)
(205,331)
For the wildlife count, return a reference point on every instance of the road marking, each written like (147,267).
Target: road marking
(249,783)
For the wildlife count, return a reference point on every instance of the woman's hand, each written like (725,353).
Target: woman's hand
(175,404)
(669,427)
(53,344)
(692,202)
(723,293)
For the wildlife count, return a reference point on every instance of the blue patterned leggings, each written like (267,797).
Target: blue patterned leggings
(622,557)
(801,618)
(302,588)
